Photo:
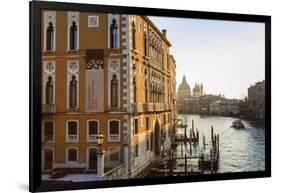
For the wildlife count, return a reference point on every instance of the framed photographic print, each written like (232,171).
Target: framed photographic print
(126,96)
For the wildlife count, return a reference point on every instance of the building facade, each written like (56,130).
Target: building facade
(106,73)
(256,100)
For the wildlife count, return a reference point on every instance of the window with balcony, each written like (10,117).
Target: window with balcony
(73,36)
(114,91)
(48,132)
(114,131)
(50,37)
(72,155)
(114,34)
(93,130)
(134,35)
(73,92)
(72,131)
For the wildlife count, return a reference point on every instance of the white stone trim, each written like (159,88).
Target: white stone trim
(88,136)
(46,73)
(66,130)
(117,18)
(90,25)
(73,16)
(111,72)
(71,73)
(49,16)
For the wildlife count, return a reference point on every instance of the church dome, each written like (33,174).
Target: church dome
(184,85)
(184,90)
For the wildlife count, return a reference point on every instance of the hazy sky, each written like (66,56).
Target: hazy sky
(226,56)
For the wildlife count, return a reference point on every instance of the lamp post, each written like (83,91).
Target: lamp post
(100,140)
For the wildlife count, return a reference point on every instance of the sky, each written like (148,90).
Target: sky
(225,56)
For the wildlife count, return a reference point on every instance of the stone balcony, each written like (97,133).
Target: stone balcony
(48,108)
(150,107)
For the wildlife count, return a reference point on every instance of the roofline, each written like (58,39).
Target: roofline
(146,18)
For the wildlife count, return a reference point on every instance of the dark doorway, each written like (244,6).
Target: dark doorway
(93,159)
(157,138)
(48,159)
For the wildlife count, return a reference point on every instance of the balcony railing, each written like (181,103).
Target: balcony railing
(92,138)
(48,138)
(137,107)
(114,138)
(72,138)
(151,107)
(48,108)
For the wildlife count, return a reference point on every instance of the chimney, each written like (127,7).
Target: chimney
(164,31)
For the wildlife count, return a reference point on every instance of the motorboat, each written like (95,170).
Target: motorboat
(238,124)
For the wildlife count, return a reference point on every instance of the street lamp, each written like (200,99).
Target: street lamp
(100,140)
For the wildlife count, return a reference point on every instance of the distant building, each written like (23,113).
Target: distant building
(227,107)
(215,107)
(183,95)
(197,91)
(256,100)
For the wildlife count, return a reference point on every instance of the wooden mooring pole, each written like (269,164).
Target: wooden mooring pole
(185,163)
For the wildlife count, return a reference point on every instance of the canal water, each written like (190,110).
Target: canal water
(240,149)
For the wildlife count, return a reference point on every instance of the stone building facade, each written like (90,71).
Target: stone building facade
(106,73)
(256,100)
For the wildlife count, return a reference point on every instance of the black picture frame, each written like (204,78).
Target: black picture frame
(35,94)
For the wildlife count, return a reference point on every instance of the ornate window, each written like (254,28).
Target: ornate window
(145,44)
(135,89)
(49,90)
(134,35)
(73,93)
(73,38)
(50,37)
(49,30)
(114,91)
(114,131)
(114,34)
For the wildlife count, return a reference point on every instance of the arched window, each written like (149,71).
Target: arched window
(113,34)
(146,91)
(73,92)
(50,37)
(73,36)
(134,35)
(114,91)
(114,133)
(135,89)
(72,155)
(145,44)
(49,91)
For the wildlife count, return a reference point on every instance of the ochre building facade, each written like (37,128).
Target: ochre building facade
(106,73)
